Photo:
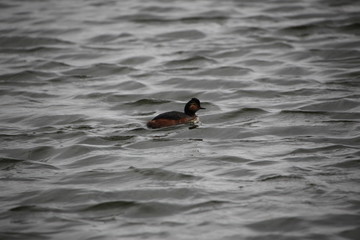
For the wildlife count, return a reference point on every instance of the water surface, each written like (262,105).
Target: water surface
(276,155)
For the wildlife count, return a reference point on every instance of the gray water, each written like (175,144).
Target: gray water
(275,157)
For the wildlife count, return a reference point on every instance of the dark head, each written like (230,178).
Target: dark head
(192,107)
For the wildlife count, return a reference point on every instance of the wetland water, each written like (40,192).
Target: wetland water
(276,156)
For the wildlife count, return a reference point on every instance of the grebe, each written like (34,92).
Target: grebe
(174,118)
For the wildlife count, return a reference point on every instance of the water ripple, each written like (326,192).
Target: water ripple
(276,155)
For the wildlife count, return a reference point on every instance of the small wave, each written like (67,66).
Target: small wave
(105,38)
(53,65)
(53,120)
(349,78)
(225,71)
(12,163)
(42,153)
(118,205)
(131,85)
(118,138)
(147,101)
(245,111)
(31,209)
(201,84)
(241,115)
(81,160)
(232,53)
(293,71)
(126,177)
(350,141)
(155,15)
(24,42)
(6,5)
(161,174)
(31,96)
(258,93)
(184,34)
(325,149)
(262,163)
(303,92)
(217,133)
(284,81)
(260,63)
(159,9)
(303,112)
(280,224)
(70,196)
(290,8)
(340,105)
(28,76)
(237,173)
(75,152)
(99,70)
(278,177)
(229,159)
(136,60)
(347,164)
(210,15)
(33,50)
(307,29)
(191,61)
(352,28)
(137,209)
(144,18)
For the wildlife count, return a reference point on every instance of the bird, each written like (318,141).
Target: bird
(175,118)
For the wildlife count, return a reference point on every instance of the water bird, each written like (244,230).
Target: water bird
(174,117)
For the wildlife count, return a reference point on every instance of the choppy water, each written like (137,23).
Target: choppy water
(276,156)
